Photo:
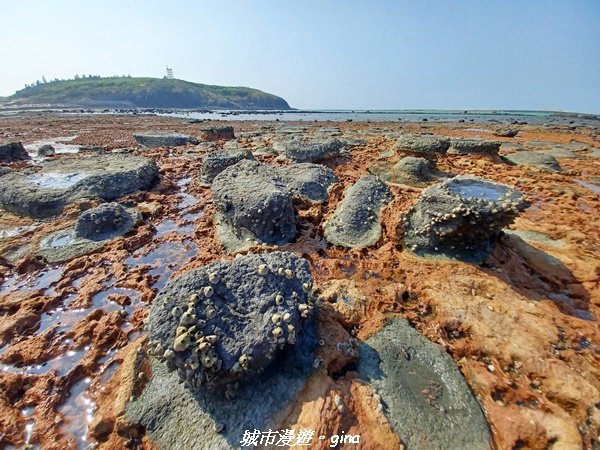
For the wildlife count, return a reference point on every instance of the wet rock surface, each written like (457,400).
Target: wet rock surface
(460,217)
(104,222)
(152,140)
(423,145)
(13,151)
(93,229)
(58,183)
(535,159)
(427,400)
(215,162)
(355,222)
(253,204)
(308,181)
(305,150)
(230,320)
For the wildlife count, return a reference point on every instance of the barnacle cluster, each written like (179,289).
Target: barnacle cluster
(228,321)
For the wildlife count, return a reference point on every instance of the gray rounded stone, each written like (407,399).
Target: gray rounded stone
(93,229)
(215,162)
(308,181)
(299,149)
(540,160)
(253,205)
(426,398)
(152,140)
(13,151)
(103,222)
(46,150)
(230,320)
(63,181)
(425,145)
(356,221)
(412,170)
(474,147)
(460,217)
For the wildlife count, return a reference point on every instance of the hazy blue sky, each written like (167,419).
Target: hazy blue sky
(479,54)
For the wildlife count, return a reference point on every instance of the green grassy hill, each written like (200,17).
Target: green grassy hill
(144,93)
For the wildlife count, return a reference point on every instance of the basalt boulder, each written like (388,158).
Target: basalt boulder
(461,217)
(46,150)
(230,321)
(218,133)
(356,221)
(216,162)
(61,182)
(13,151)
(540,160)
(152,140)
(93,229)
(253,205)
(308,181)
(423,145)
(300,149)
(104,222)
(474,147)
(426,398)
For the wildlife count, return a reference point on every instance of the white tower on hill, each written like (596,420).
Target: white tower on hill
(169,73)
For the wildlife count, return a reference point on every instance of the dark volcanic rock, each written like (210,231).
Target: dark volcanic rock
(506,132)
(355,222)
(46,150)
(299,149)
(218,133)
(94,228)
(460,217)
(412,170)
(230,320)
(215,162)
(61,182)
(536,159)
(253,204)
(308,181)
(13,151)
(423,145)
(103,222)
(152,140)
(474,147)
(428,403)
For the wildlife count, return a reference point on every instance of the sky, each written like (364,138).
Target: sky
(336,54)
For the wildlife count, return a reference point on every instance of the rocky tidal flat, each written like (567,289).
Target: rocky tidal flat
(171,283)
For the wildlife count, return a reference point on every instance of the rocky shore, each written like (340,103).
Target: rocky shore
(168,283)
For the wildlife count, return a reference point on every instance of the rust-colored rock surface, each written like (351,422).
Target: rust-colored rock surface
(522,327)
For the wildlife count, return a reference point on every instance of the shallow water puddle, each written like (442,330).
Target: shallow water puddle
(164,259)
(32,283)
(16,231)
(58,144)
(591,186)
(101,300)
(62,364)
(170,225)
(56,180)
(478,190)
(78,410)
